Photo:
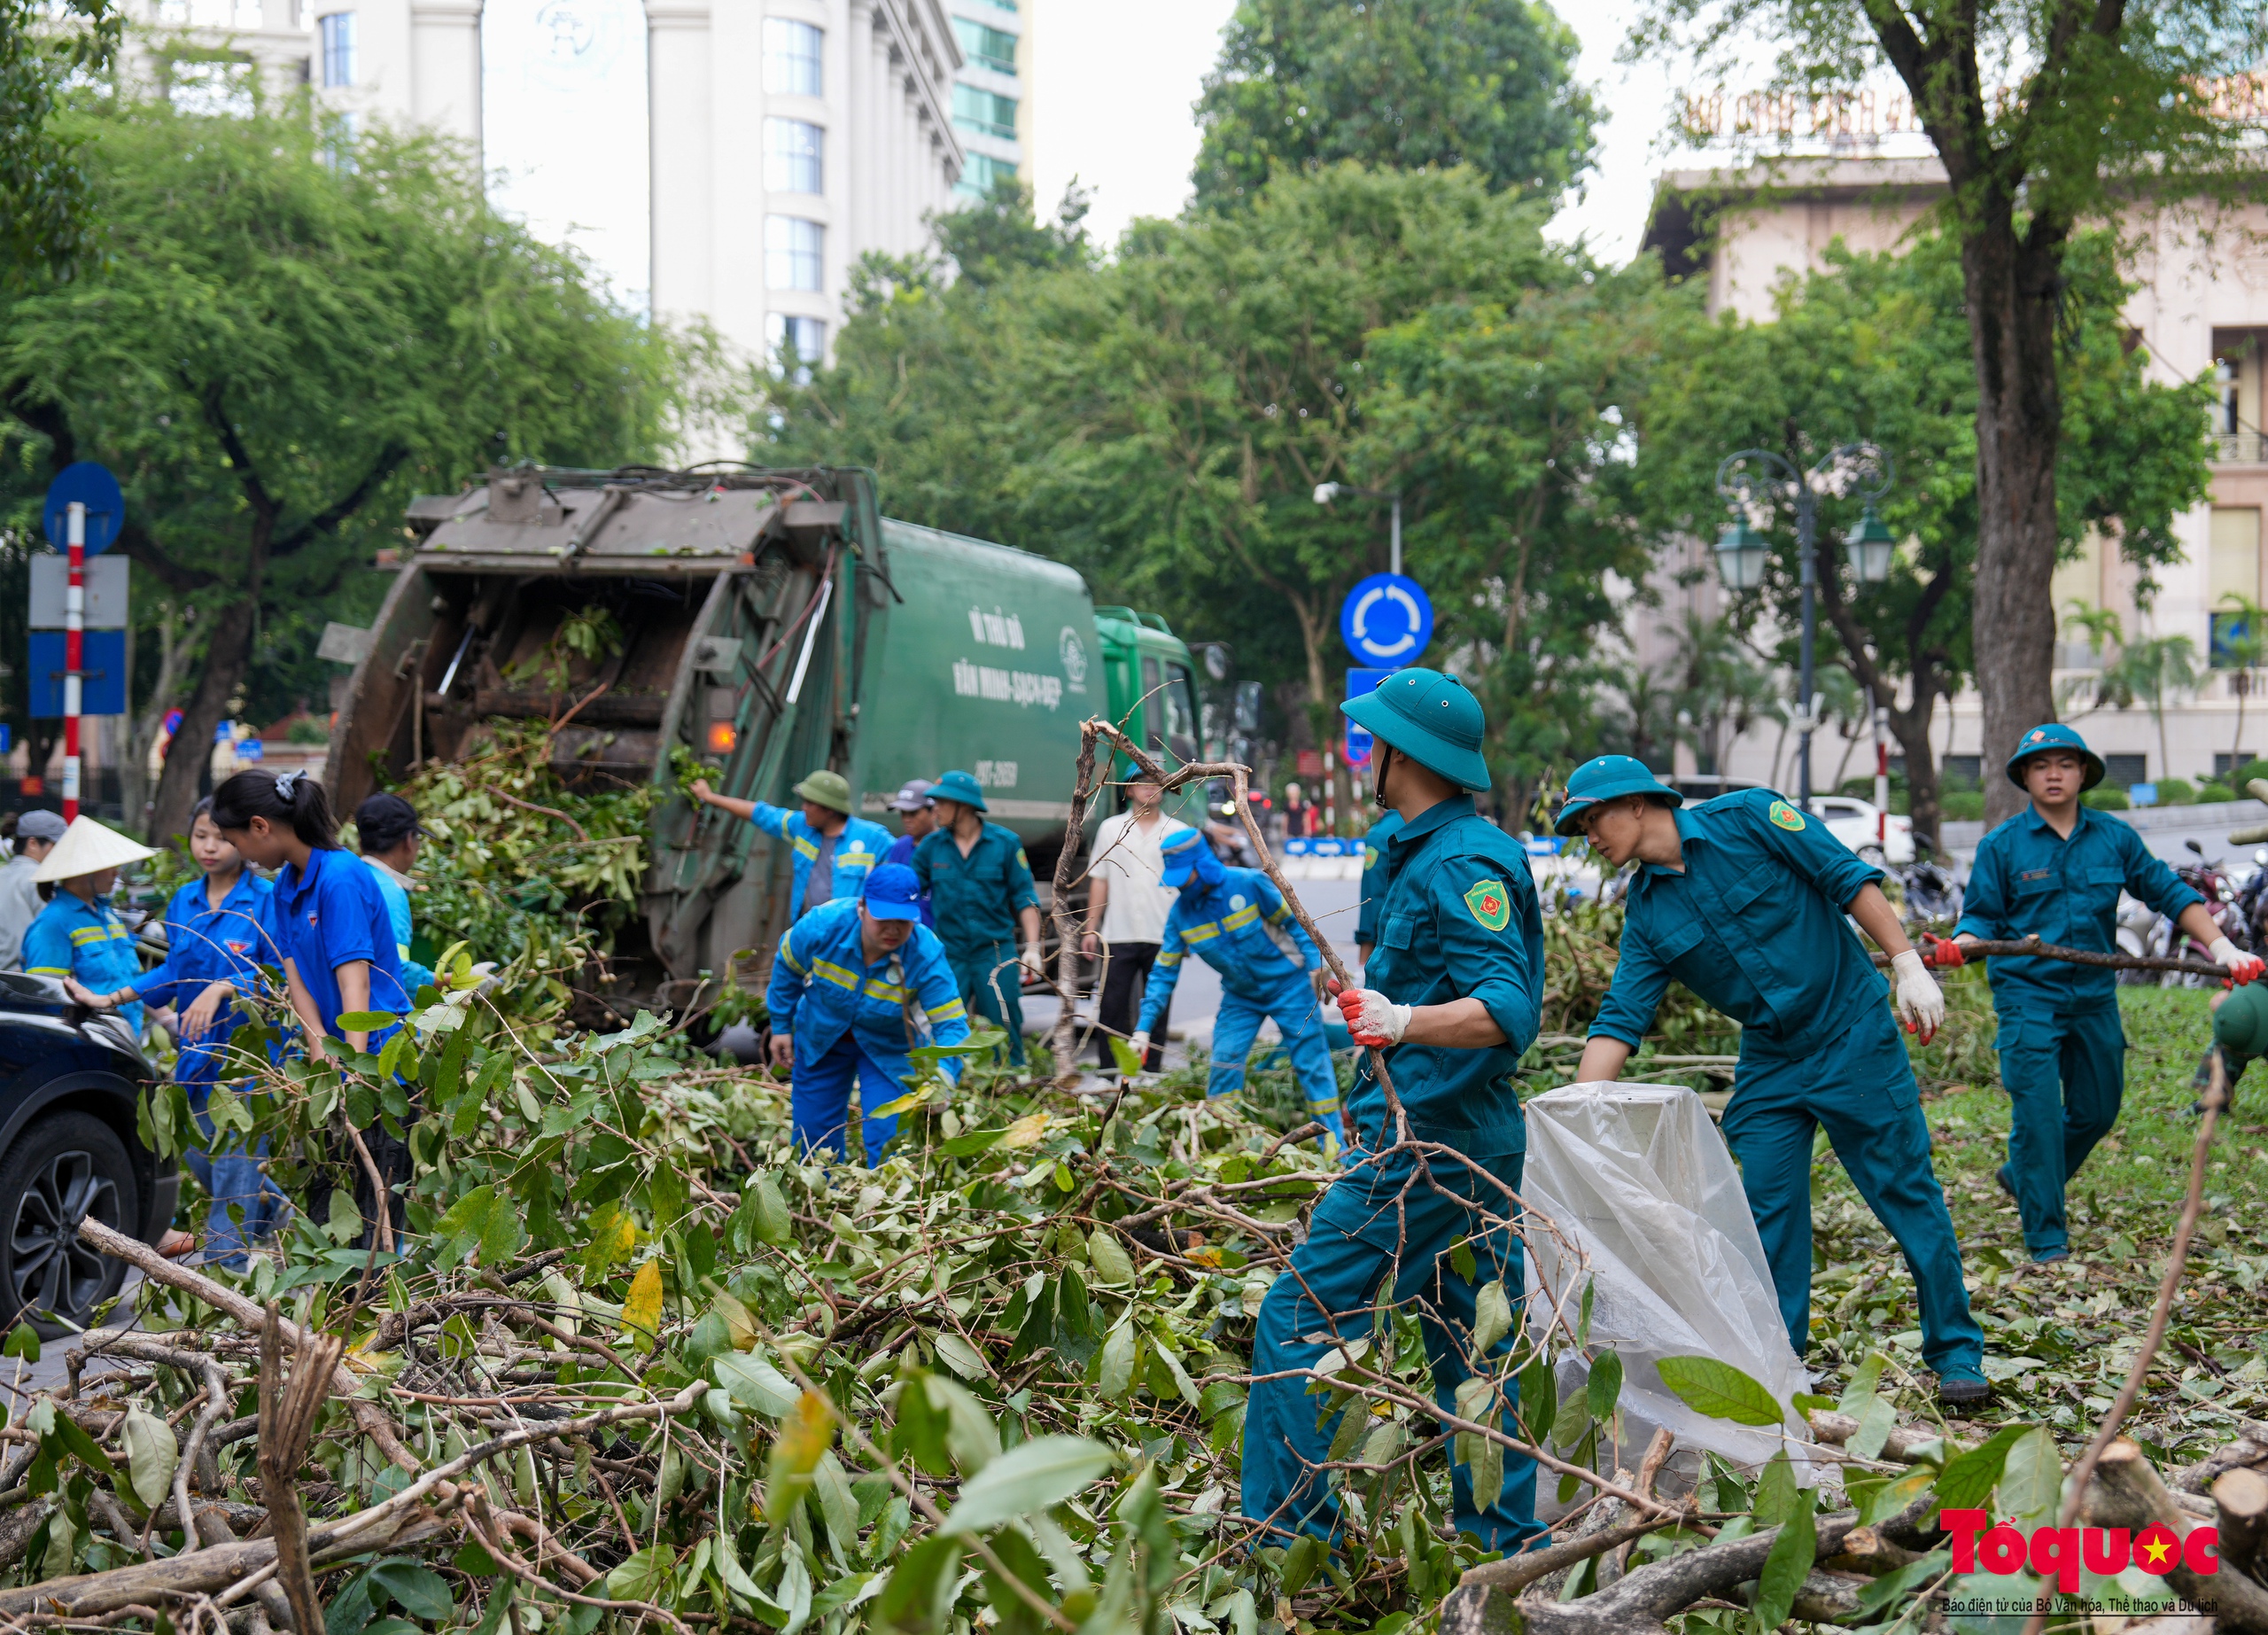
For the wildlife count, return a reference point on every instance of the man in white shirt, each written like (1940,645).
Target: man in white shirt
(36,833)
(1126,911)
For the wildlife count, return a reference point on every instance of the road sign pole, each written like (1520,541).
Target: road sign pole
(75,654)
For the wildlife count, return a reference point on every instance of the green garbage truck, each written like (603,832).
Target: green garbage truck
(769,621)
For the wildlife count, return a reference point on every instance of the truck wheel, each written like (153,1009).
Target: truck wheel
(66,1167)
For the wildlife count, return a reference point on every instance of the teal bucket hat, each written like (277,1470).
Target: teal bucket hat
(2054,735)
(1608,777)
(961,787)
(1430,718)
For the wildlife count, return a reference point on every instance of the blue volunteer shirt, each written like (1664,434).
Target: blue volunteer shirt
(328,915)
(73,938)
(858,851)
(2030,881)
(1754,925)
(204,945)
(1459,920)
(414,976)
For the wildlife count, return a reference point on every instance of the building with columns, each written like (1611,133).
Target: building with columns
(789,139)
(2200,308)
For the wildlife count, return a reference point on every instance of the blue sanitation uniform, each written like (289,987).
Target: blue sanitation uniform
(901,851)
(1755,926)
(857,850)
(976,900)
(2062,1049)
(204,945)
(848,1017)
(1459,920)
(1228,925)
(73,938)
(331,914)
(414,976)
(1374,872)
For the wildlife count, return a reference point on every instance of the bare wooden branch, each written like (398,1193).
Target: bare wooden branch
(287,1416)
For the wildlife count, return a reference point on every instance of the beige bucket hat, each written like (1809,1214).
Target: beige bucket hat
(89,847)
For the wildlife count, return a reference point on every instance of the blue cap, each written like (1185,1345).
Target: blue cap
(961,787)
(1180,851)
(2054,736)
(893,893)
(1608,777)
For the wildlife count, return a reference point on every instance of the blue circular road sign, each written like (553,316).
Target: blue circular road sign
(94,488)
(1387,620)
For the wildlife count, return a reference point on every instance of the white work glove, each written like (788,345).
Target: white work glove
(1140,1045)
(1372,1017)
(1030,961)
(2241,967)
(1920,1002)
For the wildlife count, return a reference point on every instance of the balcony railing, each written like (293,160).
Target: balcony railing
(2240,449)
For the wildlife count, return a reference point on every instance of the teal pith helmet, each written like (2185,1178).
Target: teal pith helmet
(2054,736)
(961,787)
(2240,1023)
(1432,717)
(1608,777)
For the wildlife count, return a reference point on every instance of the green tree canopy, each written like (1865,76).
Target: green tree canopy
(283,343)
(1301,84)
(2046,114)
(1875,348)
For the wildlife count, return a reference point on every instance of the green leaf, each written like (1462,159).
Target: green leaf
(345,1223)
(1304,1555)
(774,1224)
(959,1355)
(971,1437)
(1032,1476)
(82,1446)
(1776,1493)
(1492,1319)
(1878,1418)
(1539,1404)
(1129,1061)
(1968,1479)
(1864,1382)
(1604,1389)
(23,1344)
(917,1598)
(367,1021)
(643,1577)
(749,1379)
(418,1591)
(1023,1569)
(152,1455)
(1793,1552)
(1719,1391)
(1117,1376)
(1112,1264)
(2030,1489)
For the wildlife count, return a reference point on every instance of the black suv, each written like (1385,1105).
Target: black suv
(70,1085)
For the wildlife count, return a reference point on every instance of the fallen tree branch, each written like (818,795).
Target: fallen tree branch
(2126,1493)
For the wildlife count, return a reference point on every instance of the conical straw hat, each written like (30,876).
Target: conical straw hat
(88,847)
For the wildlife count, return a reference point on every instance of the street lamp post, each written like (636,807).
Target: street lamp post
(1750,482)
(1325,493)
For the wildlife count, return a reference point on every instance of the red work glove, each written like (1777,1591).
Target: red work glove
(2241,967)
(1371,1019)
(1942,952)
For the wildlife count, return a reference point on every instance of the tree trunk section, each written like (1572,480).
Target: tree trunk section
(226,655)
(1923,797)
(2010,284)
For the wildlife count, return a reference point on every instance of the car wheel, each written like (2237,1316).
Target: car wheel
(64,1168)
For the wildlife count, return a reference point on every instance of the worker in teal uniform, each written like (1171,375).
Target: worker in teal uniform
(982,892)
(833,851)
(1454,996)
(1743,899)
(1237,921)
(855,987)
(78,935)
(1374,852)
(2054,872)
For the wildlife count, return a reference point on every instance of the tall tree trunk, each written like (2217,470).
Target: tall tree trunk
(175,646)
(2011,284)
(1911,728)
(226,653)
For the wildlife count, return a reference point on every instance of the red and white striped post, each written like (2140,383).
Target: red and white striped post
(75,652)
(1882,779)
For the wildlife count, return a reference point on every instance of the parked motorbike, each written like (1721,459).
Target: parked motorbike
(1932,894)
(2210,881)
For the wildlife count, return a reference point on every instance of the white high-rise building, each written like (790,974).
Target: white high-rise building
(992,100)
(410,62)
(789,138)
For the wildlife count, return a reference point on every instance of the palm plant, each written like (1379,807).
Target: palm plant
(2156,670)
(2245,641)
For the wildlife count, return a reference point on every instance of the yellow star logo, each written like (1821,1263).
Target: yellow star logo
(2157,1550)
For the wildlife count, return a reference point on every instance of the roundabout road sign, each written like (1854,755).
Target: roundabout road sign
(91,485)
(1387,620)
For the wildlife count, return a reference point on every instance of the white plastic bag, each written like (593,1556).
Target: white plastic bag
(1637,1180)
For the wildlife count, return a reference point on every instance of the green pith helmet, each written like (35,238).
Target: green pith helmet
(2241,1024)
(1430,717)
(827,789)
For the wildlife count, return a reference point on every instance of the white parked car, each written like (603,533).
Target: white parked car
(1864,828)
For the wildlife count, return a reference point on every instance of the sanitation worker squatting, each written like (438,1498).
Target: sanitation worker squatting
(1232,919)
(1455,989)
(2054,872)
(1742,898)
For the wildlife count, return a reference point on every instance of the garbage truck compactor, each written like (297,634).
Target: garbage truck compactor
(767,621)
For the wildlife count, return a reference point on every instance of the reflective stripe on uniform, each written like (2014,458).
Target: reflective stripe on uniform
(787,953)
(1241,918)
(49,970)
(804,848)
(836,974)
(1318,1109)
(1167,957)
(889,992)
(1199,934)
(947,1011)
